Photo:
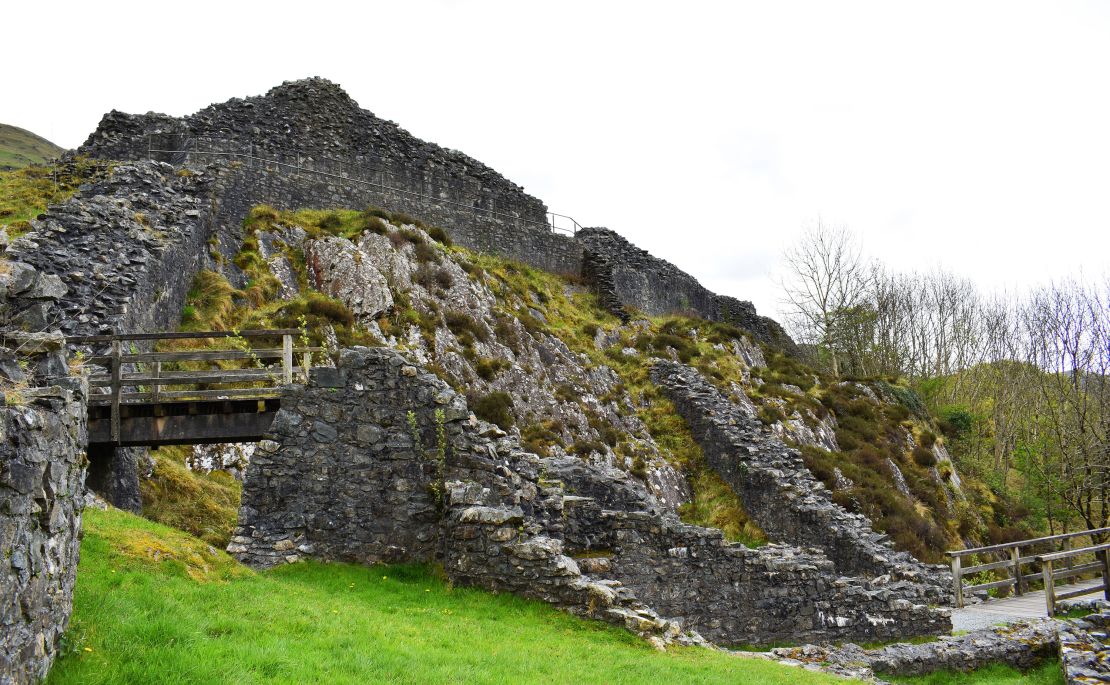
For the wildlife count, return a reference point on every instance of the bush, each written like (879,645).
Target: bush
(444,279)
(425,253)
(488,368)
(956,422)
(375,225)
(402,219)
(584,448)
(331,222)
(462,325)
(440,236)
(924,456)
(496,407)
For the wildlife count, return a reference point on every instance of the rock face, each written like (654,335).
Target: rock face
(376,460)
(41,486)
(781,494)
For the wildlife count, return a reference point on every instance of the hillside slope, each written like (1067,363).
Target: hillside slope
(156,605)
(19,148)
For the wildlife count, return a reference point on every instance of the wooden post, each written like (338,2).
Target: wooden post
(1015,557)
(287,359)
(1049,588)
(1102,556)
(115,389)
(306,365)
(957,582)
(156,373)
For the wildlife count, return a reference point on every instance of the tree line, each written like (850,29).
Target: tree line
(1020,383)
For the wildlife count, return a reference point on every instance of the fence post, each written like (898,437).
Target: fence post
(156,373)
(115,389)
(957,582)
(1102,556)
(287,359)
(1049,588)
(1015,557)
(306,365)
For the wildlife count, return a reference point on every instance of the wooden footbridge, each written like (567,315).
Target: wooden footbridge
(189,397)
(1029,578)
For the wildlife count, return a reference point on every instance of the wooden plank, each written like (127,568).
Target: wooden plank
(1049,589)
(177,335)
(115,390)
(1076,570)
(185,429)
(957,581)
(1006,563)
(131,398)
(1005,582)
(190,377)
(204,355)
(1073,552)
(287,359)
(1078,593)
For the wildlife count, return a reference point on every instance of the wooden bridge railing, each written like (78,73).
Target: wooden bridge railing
(1017,556)
(147,386)
(1050,575)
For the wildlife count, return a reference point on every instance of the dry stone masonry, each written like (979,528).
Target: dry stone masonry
(781,494)
(376,460)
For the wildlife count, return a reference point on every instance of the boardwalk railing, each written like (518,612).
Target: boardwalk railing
(1017,557)
(144,380)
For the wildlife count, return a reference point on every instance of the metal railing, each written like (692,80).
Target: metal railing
(338,169)
(1016,557)
(146,386)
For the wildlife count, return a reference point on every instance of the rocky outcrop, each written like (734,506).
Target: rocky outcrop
(781,494)
(42,476)
(1021,645)
(377,460)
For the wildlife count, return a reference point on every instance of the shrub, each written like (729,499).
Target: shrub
(330,222)
(496,407)
(464,327)
(375,225)
(377,213)
(924,456)
(566,393)
(425,253)
(397,239)
(440,236)
(473,270)
(584,448)
(328,308)
(444,279)
(928,438)
(488,368)
(956,422)
(402,219)
(590,329)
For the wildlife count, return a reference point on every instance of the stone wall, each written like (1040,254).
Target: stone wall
(42,472)
(357,159)
(777,489)
(655,286)
(377,460)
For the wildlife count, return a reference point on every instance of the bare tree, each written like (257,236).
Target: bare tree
(826,287)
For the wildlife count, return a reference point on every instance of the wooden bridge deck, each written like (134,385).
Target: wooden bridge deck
(1010,609)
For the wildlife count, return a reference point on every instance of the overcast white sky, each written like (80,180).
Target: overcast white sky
(972,135)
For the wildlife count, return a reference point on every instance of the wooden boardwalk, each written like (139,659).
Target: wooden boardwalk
(1027,606)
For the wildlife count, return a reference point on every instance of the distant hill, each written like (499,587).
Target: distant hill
(20,148)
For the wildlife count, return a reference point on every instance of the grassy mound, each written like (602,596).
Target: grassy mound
(158,605)
(19,148)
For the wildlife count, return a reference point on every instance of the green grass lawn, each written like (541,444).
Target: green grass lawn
(156,605)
